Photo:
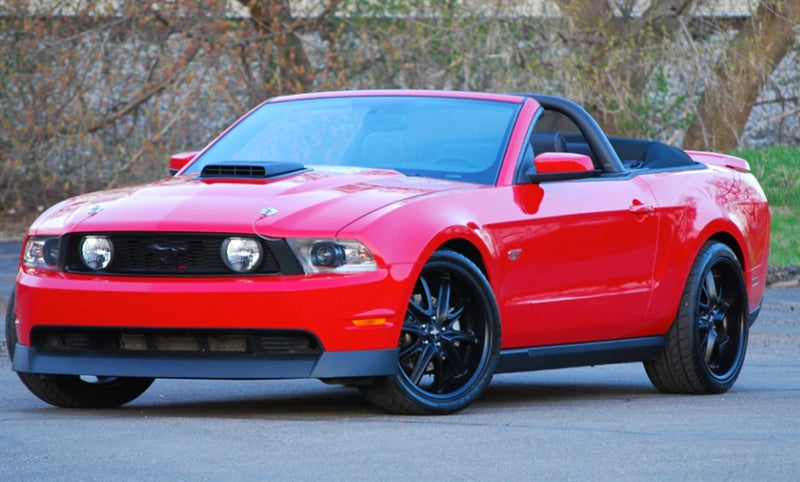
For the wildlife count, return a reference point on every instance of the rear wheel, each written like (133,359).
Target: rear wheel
(449,342)
(72,391)
(705,347)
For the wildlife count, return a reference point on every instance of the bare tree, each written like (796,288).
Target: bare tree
(614,50)
(740,75)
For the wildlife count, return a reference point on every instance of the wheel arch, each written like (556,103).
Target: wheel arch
(467,249)
(470,241)
(730,241)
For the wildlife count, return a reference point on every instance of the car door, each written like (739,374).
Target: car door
(580,261)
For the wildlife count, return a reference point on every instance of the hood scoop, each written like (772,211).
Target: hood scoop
(250,170)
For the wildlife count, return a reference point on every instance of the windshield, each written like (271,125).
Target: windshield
(447,138)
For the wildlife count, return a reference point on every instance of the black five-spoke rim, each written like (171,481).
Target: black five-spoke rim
(720,323)
(443,343)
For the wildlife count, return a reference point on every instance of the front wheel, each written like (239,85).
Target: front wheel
(72,391)
(449,342)
(705,347)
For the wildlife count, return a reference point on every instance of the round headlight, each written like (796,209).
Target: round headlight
(241,254)
(96,252)
(327,254)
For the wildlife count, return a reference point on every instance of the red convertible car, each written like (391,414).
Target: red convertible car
(409,243)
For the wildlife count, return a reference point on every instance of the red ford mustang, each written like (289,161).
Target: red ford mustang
(410,243)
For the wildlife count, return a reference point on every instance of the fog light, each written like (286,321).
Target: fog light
(241,254)
(96,252)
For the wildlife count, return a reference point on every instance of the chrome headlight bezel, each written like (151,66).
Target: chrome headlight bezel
(242,254)
(326,255)
(41,252)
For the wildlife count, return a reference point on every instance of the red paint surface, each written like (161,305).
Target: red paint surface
(596,259)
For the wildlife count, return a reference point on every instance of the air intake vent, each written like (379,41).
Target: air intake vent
(52,339)
(254,170)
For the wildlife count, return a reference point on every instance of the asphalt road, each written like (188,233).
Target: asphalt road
(601,423)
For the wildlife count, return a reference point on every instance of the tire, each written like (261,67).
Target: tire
(11,326)
(449,342)
(72,391)
(706,344)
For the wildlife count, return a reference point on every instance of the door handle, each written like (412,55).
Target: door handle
(638,207)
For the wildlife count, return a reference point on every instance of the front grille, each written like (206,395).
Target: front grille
(167,341)
(154,254)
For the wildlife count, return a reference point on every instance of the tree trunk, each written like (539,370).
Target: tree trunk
(615,54)
(289,68)
(739,77)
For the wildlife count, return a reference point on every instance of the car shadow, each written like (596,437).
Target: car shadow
(506,394)
(330,402)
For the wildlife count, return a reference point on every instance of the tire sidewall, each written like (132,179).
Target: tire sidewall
(11,326)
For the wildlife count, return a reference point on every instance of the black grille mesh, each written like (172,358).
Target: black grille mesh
(167,254)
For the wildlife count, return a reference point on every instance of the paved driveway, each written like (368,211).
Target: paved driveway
(591,423)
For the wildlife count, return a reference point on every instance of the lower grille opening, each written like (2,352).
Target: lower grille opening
(126,341)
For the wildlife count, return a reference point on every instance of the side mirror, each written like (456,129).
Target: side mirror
(560,166)
(178,161)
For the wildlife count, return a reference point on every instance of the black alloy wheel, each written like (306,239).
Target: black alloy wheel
(706,345)
(449,342)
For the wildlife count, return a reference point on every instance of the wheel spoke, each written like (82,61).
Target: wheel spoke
(418,311)
(425,357)
(711,288)
(443,300)
(424,308)
(428,298)
(413,329)
(406,351)
(720,311)
(454,315)
(453,336)
(708,344)
(454,358)
(438,377)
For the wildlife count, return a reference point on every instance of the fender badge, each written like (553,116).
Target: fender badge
(513,255)
(95,209)
(268,212)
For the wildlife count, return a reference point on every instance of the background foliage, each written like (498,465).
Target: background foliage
(777,168)
(98,94)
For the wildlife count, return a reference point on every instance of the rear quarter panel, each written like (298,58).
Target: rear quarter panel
(698,205)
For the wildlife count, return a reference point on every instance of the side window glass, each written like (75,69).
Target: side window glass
(565,130)
(525,165)
(552,121)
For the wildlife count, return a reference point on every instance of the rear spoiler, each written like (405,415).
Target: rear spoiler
(722,160)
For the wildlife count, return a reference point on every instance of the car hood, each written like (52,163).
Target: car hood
(316,202)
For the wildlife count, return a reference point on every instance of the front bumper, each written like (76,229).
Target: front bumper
(356,320)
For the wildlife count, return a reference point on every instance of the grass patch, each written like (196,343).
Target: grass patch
(778,170)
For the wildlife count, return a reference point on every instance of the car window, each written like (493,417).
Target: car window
(553,122)
(449,138)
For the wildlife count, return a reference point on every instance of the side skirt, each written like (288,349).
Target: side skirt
(579,354)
